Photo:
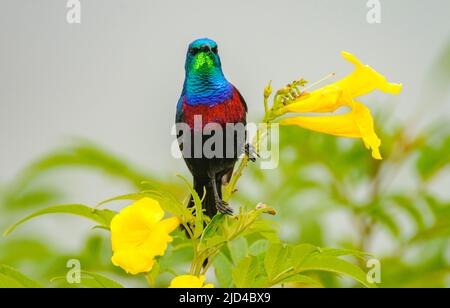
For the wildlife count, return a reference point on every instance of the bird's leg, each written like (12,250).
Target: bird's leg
(251,152)
(222,206)
(226,178)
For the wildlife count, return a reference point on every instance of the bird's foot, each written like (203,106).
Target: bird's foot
(223,207)
(251,152)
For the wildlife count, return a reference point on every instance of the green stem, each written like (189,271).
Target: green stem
(194,259)
(151,282)
(229,190)
(231,187)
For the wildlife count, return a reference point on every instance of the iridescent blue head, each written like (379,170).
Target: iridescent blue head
(202,58)
(205,82)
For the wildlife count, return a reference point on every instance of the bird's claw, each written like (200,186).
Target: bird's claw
(223,207)
(251,152)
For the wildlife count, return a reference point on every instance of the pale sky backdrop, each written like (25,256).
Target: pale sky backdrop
(116,77)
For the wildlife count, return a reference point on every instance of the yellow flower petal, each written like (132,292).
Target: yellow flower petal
(358,123)
(189,281)
(158,241)
(170,224)
(364,79)
(361,81)
(326,99)
(341,125)
(150,210)
(364,121)
(133,223)
(138,235)
(133,261)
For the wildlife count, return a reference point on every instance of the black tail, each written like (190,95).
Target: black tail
(209,202)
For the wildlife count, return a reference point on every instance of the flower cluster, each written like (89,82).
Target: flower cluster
(357,123)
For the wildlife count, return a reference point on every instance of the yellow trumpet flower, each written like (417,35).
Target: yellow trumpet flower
(358,123)
(139,234)
(189,282)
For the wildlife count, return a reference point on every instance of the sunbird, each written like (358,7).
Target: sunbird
(208,94)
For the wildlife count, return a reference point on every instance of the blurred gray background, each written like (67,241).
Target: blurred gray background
(116,77)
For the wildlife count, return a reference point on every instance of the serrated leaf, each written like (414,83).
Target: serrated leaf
(103,217)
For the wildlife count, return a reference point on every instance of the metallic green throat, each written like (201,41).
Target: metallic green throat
(203,61)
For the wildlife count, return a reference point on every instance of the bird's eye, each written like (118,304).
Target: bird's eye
(214,49)
(193,50)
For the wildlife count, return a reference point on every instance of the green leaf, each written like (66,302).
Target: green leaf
(304,280)
(103,217)
(433,158)
(11,278)
(409,206)
(333,252)
(167,201)
(153,274)
(30,198)
(104,282)
(238,249)
(223,270)
(198,209)
(300,253)
(259,247)
(281,259)
(88,280)
(244,274)
(388,221)
(84,154)
(439,230)
(263,227)
(133,197)
(17,250)
(336,265)
(275,260)
(212,227)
